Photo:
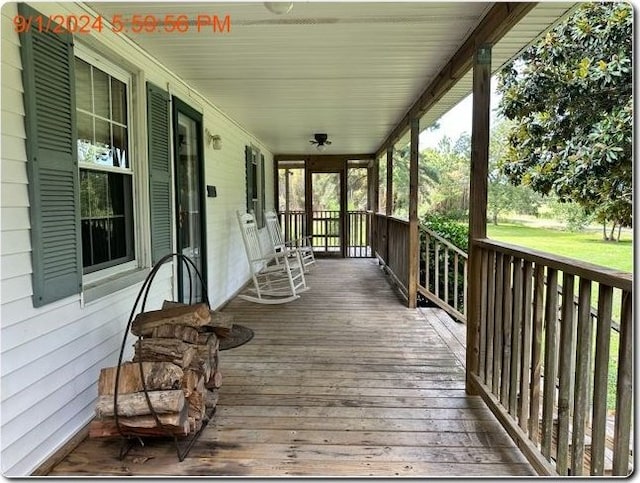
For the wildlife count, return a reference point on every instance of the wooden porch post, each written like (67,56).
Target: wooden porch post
(478,200)
(374,186)
(389,208)
(414,242)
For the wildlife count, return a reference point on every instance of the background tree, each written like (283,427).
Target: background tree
(503,196)
(450,160)
(570,98)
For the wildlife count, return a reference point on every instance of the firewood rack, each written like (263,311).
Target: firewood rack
(129,436)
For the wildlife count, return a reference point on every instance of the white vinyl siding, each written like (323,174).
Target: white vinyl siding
(51,356)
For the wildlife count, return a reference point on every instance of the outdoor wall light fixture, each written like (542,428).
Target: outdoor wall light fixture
(279,8)
(213,140)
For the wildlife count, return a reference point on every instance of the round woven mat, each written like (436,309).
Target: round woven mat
(239,335)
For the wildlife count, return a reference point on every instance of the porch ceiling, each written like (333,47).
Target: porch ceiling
(349,69)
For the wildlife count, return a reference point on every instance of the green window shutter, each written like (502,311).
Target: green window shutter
(248,156)
(49,97)
(159,171)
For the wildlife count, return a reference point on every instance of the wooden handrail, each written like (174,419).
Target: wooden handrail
(596,273)
(444,241)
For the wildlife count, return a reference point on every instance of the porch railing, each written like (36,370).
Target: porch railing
(443,274)
(544,358)
(542,318)
(326,230)
(391,246)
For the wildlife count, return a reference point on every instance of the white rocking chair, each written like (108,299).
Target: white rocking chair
(302,245)
(278,277)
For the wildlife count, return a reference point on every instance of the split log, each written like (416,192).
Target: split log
(220,323)
(192,381)
(175,423)
(169,350)
(205,338)
(182,332)
(157,376)
(215,381)
(135,404)
(196,405)
(211,398)
(190,315)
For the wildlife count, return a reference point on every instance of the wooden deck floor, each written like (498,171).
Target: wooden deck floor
(345,381)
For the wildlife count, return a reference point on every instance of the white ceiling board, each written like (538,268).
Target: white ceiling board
(351,69)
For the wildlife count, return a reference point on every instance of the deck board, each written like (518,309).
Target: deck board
(345,381)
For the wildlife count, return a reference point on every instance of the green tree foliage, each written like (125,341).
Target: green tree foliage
(503,196)
(450,160)
(428,177)
(570,96)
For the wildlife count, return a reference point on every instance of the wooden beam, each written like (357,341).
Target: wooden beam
(304,157)
(414,240)
(478,199)
(495,24)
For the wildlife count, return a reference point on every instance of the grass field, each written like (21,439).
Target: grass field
(587,246)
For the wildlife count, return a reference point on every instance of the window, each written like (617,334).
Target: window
(106,175)
(255,183)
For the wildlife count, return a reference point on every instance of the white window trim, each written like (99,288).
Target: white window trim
(90,280)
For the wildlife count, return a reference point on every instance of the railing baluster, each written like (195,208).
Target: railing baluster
(525,361)
(549,387)
(446,274)
(465,287)
(456,269)
(536,351)
(483,316)
(497,328)
(491,302)
(564,373)
(427,260)
(583,364)
(516,335)
(436,269)
(624,390)
(600,381)
(507,297)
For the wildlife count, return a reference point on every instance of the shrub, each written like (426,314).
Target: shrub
(451,230)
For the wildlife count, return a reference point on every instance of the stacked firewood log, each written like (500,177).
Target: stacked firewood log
(176,361)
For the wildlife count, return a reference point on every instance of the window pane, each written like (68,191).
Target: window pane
(85,190)
(83,85)
(100,230)
(117,238)
(101,93)
(254,187)
(107,219)
(119,147)
(116,193)
(103,153)
(86,151)
(86,243)
(118,101)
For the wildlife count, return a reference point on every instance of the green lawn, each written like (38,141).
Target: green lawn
(586,246)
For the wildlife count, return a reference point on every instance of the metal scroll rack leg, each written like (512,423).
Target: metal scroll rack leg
(129,436)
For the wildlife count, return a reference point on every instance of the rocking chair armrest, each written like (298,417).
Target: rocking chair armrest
(298,242)
(288,251)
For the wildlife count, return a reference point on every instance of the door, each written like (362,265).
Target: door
(327,230)
(190,222)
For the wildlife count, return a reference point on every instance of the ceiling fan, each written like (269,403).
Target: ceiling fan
(321,141)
